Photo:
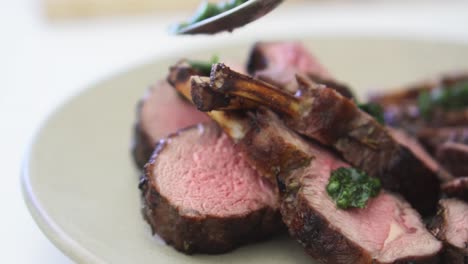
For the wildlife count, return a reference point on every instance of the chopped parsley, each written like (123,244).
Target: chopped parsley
(351,188)
(373,109)
(447,98)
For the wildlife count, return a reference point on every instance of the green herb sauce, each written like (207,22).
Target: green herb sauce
(204,67)
(351,188)
(454,97)
(373,109)
(207,10)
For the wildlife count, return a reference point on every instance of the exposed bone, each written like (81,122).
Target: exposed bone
(181,77)
(268,144)
(227,81)
(205,99)
(180,74)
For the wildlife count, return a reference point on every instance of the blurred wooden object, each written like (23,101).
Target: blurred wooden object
(91,8)
(64,9)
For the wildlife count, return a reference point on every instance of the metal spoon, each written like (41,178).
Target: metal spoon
(231,19)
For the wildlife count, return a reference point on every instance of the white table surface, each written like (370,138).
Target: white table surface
(42,64)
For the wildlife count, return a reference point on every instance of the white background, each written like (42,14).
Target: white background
(43,63)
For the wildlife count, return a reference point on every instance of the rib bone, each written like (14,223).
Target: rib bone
(205,99)
(181,77)
(268,144)
(224,80)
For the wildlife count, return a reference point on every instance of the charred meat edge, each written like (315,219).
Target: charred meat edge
(142,146)
(323,242)
(454,157)
(201,234)
(456,188)
(450,254)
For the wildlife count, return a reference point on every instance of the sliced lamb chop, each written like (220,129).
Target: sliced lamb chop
(333,120)
(272,146)
(161,112)
(401,107)
(456,188)
(407,116)
(243,130)
(279,62)
(454,157)
(212,200)
(411,92)
(451,227)
(388,230)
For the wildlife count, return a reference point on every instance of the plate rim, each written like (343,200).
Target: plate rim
(59,238)
(54,233)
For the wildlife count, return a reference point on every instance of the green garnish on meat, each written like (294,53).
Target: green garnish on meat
(204,67)
(454,97)
(373,109)
(207,10)
(352,188)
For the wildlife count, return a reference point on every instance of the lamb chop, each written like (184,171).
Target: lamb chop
(435,112)
(278,63)
(153,123)
(265,138)
(242,129)
(334,120)
(387,230)
(212,201)
(451,227)
(408,108)
(160,112)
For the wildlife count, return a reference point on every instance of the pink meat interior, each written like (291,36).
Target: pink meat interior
(165,112)
(285,59)
(456,218)
(285,55)
(388,228)
(203,174)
